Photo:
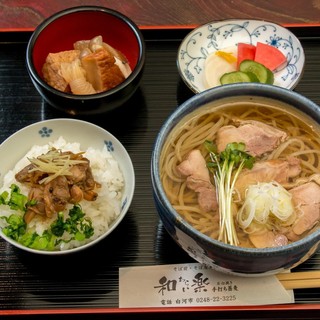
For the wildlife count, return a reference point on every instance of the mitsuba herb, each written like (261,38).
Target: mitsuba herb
(225,167)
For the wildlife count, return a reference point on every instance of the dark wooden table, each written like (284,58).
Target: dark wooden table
(17,14)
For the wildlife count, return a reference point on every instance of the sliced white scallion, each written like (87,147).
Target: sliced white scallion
(264,201)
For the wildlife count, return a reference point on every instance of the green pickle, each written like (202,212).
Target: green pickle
(249,71)
(238,76)
(263,74)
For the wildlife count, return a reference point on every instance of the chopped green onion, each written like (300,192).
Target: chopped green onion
(77,225)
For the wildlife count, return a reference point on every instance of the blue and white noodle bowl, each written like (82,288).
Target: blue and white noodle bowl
(224,257)
(110,164)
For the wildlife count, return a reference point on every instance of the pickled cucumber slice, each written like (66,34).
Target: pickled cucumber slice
(238,76)
(263,74)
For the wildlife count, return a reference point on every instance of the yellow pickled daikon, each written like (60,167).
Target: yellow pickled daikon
(218,63)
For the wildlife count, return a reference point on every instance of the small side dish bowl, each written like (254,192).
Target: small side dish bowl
(196,230)
(60,31)
(218,35)
(110,165)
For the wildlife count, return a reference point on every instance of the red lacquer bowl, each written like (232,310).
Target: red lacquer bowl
(59,32)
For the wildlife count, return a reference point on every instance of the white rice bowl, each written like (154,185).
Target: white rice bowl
(110,205)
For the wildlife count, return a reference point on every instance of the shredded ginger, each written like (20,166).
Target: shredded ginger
(263,201)
(55,164)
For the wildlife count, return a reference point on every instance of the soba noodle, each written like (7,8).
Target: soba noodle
(303,142)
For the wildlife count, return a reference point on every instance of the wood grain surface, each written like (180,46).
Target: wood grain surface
(21,14)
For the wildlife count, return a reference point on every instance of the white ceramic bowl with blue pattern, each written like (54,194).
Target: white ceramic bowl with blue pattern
(214,36)
(88,135)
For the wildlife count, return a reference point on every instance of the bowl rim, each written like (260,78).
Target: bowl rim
(221,93)
(196,29)
(134,74)
(114,223)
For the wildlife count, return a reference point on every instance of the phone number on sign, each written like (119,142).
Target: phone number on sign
(216,299)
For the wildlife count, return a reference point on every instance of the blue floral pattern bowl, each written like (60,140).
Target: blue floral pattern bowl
(213,36)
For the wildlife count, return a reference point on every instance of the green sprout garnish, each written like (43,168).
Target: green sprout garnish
(226,168)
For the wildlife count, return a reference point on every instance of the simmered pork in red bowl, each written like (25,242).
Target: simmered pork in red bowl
(236,178)
(86,60)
